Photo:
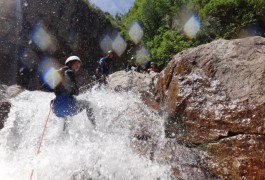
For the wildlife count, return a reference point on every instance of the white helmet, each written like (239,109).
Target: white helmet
(72,58)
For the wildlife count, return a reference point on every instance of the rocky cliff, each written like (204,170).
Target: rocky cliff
(37,32)
(214,97)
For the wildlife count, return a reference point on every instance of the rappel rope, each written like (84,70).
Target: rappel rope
(42,135)
(88,85)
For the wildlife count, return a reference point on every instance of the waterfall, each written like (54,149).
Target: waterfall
(128,141)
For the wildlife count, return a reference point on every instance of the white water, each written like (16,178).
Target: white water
(81,152)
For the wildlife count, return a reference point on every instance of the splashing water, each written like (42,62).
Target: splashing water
(81,151)
(128,141)
(29,58)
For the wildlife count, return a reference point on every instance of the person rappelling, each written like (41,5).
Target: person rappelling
(65,104)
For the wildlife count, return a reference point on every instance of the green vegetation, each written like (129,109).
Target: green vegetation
(166,44)
(227,18)
(163,23)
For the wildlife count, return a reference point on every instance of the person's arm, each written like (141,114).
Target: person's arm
(101,65)
(74,90)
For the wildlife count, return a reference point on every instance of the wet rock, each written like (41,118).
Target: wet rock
(238,157)
(136,82)
(4,110)
(13,90)
(132,81)
(214,92)
(147,140)
(149,100)
(4,106)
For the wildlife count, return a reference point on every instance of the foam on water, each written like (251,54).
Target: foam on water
(81,151)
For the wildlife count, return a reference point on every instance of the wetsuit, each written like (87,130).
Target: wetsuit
(105,66)
(104,69)
(64,102)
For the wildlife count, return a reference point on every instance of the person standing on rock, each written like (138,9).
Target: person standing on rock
(153,68)
(65,104)
(105,67)
(133,66)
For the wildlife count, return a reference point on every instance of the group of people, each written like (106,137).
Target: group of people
(65,103)
(134,66)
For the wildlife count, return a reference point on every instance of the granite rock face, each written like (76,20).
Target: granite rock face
(214,97)
(143,83)
(146,128)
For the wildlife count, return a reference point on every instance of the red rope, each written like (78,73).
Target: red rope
(44,129)
(42,135)
(31,175)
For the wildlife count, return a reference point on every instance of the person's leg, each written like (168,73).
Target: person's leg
(66,124)
(81,105)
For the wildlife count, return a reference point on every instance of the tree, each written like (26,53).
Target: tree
(166,44)
(215,14)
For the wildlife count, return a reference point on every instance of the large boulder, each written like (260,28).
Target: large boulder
(146,128)
(143,83)
(214,97)
(132,81)
(35,34)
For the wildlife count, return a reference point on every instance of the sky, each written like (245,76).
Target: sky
(113,6)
